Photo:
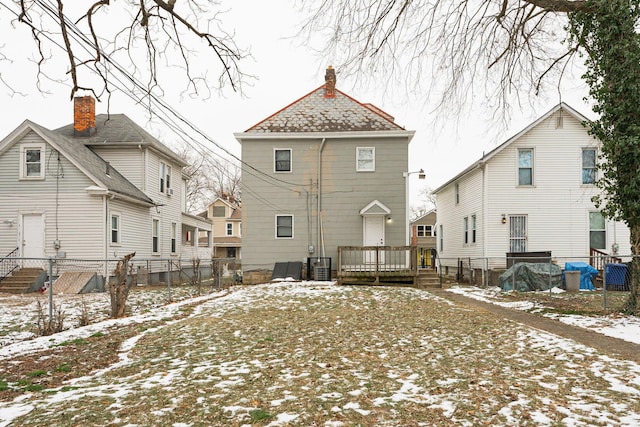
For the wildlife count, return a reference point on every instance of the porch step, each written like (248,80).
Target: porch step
(20,281)
(428,279)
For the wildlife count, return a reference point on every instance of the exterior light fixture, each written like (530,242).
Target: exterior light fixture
(504,219)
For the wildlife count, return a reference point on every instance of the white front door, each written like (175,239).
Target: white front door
(32,236)
(373,236)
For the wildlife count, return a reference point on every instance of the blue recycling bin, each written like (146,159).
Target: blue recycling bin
(615,276)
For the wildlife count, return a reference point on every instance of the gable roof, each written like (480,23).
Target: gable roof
(429,212)
(315,112)
(118,130)
(93,166)
(488,156)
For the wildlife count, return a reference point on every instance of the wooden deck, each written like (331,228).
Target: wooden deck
(377,264)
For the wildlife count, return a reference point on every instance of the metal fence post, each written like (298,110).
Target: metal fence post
(550,293)
(50,291)
(169,280)
(604,284)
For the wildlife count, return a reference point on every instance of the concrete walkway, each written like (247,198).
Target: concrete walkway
(607,345)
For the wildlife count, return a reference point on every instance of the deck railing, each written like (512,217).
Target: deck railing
(8,263)
(376,262)
(598,259)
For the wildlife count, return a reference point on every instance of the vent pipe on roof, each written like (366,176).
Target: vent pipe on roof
(330,83)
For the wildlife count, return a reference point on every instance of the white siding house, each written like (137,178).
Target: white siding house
(99,188)
(530,194)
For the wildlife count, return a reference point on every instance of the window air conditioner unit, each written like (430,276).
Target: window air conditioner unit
(169,191)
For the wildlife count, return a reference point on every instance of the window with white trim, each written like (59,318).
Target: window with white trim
(115,228)
(441,234)
(465,229)
(32,161)
(457,192)
(282,159)
(425,230)
(597,231)
(165,178)
(525,166)
(365,159)
(473,228)
(229,229)
(174,234)
(284,226)
(155,236)
(588,165)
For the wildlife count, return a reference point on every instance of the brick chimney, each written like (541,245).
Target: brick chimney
(330,83)
(84,116)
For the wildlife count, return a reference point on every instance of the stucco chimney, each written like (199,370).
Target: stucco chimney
(84,116)
(330,83)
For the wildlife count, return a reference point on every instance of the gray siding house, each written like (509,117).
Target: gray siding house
(324,171)
(99,188)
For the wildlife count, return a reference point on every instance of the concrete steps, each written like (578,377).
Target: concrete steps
(428,279)
(21,281)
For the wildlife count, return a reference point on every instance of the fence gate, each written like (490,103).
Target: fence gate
(517,233)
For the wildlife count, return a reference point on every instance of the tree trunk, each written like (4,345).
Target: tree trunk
(632,306)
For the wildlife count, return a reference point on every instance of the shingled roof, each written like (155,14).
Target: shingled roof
(327,109)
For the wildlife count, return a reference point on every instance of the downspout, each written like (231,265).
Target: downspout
(320,237)
(105,236)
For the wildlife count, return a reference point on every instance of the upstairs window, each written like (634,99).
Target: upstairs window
(219,212)
(284,226)
(282,158)
(425,231)
(229,229)
(31,165)
(473,229)
(457,192)
(525,166)
(165,178)
(365,159)
(588,166)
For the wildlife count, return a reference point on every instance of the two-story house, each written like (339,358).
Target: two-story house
(423,235)
(226,215)
(324,171)
(532,193)
(98,188)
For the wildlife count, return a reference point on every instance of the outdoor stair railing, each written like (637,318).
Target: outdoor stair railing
(8,263)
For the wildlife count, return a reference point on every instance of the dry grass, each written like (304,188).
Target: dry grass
(329,356)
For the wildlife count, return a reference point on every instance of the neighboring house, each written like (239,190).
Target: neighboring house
(99,188)
(226,215)
(423,235)
(530,194)
(325,171)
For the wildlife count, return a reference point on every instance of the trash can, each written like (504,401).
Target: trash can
(615,277)
(572,280)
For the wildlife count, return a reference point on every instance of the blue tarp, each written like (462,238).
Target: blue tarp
(587,273)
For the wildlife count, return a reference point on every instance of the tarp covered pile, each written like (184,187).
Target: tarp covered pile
(527,276)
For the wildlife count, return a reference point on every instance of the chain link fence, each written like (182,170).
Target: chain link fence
(605,275)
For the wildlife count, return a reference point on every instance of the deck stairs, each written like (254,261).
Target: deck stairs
(428,278)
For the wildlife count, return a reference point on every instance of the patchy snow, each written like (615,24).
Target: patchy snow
(615,325)
(290,375)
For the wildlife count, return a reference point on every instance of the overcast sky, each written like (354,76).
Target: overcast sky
(286,70)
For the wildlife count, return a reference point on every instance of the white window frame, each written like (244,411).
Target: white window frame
(427,230)
(155,236)
(118,230)
(518,167)
(165,178)
(474,234)
(174,237)
(292,226)
(598,230)
(456,188)
(24,170)
(465,230)
(441,234)
(275,160)
(365,168)
(583,168)
(229,229)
